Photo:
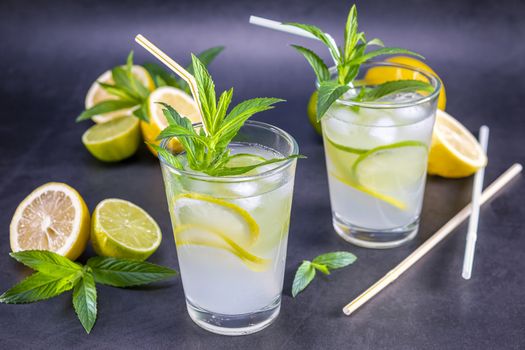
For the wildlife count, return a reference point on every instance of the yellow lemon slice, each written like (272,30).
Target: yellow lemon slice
(53,217)
(378,75)
(122,229)
(217,214)
(198,235)
(176,98)
(97,94)
(454,152)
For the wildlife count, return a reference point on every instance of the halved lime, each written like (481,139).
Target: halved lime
(207,237)
(122,229)
(392,167)
(113,141)
(218,215)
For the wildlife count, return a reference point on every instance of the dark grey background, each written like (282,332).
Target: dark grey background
(51,52)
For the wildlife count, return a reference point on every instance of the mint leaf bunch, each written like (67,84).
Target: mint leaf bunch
(127,89)
(348,60)
(206,146)
(129,92)
(57,274)
(324,263)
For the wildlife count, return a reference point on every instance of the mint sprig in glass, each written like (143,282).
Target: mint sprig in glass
(376,133)
(229,196)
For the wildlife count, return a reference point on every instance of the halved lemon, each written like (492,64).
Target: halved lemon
(176,98)
(121,229)
(97,94)
(53,217)
(378,75)
(454,152)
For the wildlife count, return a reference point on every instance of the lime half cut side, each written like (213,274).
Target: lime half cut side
(391,168)
(122,229)
(113,141)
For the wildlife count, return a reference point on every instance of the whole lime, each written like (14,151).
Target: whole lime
(312,113)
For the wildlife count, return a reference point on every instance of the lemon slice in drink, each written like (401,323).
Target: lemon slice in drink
(199,235)
(113,141)
(53,217)
(97,94)
(176,98)
(122,229)
(219,215)
(454,152)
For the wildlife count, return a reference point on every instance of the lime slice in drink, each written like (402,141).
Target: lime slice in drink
(391,168)
(218,215)
(121,229)
(199,235)
(113,141)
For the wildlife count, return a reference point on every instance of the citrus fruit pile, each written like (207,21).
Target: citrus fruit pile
(117,135)
(54,217)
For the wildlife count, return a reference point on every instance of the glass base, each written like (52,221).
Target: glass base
(234,324)
(376,239)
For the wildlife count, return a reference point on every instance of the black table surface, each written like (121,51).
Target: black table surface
(52,51)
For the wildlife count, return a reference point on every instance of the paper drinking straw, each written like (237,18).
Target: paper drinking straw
(472,233)
(271,24)
(430,243)
(174,66)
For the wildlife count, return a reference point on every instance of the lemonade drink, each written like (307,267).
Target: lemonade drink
(376,157)
(231,233)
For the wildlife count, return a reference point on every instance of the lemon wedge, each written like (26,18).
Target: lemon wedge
(454,152)
(53,217)
(97,94)
(176,98)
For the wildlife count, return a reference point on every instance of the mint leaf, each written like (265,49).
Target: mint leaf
(167,155)
(85,300)
(222,107)
(329,92)
(240,113)
(38,286)
(118,92)
(304,275)
(396,86)
(206,57)
(318,65)
(105,107)
(126,273)
(160,76)
(319,34)
(380,52)
(350,32)
(142,112)
(49,263)
(321,268)
(335,260)
(231,171)
(206,89)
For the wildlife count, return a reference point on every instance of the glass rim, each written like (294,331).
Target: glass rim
(238,178)
(433,79)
